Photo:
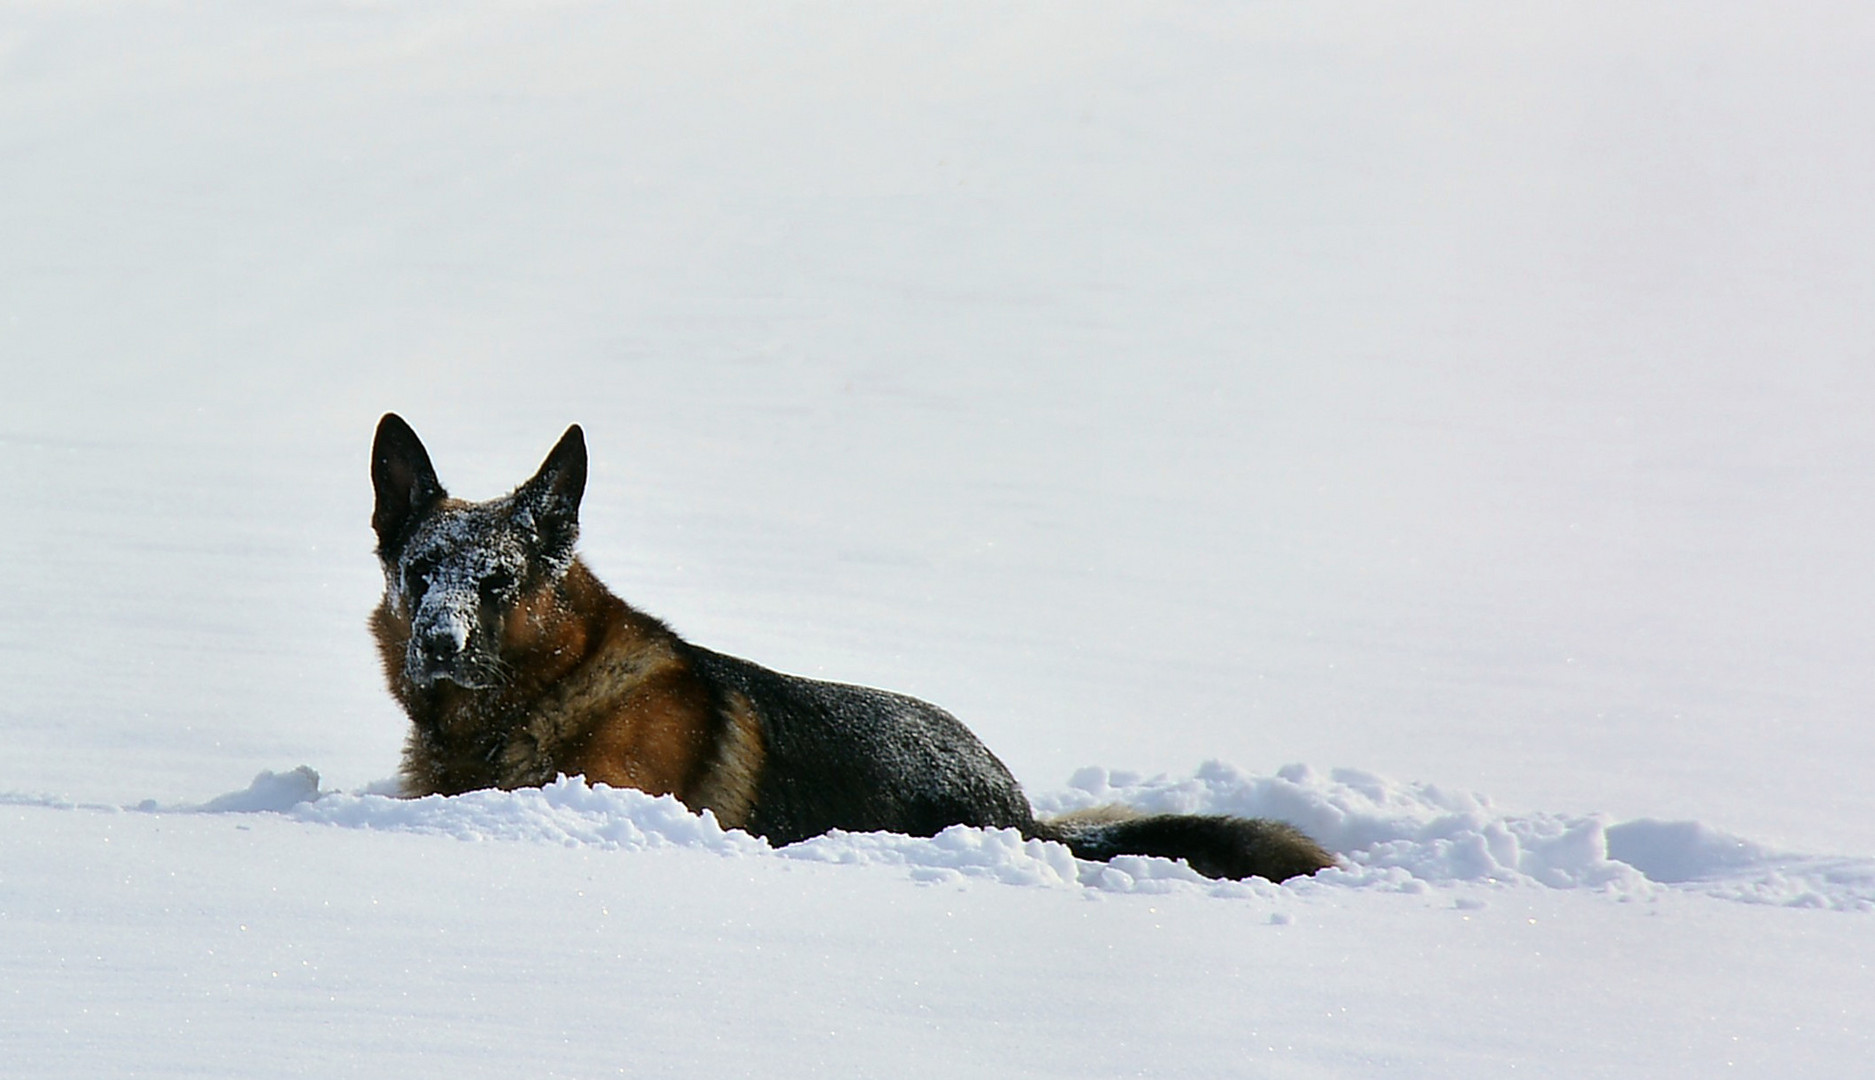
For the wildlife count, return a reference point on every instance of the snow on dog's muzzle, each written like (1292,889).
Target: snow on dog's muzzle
(442,647)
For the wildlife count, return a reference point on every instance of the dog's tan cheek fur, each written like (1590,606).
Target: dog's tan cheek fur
(539,629)
(391,629)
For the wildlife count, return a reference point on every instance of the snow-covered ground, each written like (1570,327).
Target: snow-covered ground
(1330,410)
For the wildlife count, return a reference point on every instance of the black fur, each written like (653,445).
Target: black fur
(405,483)
(1215,845)
(864,760)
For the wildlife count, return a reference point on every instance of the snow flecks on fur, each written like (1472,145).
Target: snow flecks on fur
(1390,836)
(452,566)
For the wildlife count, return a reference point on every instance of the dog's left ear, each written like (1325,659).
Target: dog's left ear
(553,495)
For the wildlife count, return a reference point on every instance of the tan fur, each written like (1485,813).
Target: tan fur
(595,688)
(1110,814)
(728,783)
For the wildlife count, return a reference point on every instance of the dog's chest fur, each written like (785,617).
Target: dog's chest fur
(593,687)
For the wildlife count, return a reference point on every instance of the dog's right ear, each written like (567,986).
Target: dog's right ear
(406,483)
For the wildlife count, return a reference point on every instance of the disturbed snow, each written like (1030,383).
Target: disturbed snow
(1390,836)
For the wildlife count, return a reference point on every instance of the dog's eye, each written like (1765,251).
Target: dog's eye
(496,584)
(417,576)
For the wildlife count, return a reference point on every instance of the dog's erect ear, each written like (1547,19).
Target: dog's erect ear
(405,481)
(552,496)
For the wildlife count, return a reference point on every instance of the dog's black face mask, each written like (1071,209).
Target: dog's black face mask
(453,569)
(456,580)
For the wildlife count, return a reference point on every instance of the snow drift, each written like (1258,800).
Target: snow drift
(1395,836)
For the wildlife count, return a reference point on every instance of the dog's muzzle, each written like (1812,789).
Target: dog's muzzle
(440,650)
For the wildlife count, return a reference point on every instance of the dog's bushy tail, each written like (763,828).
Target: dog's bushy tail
(1215,845)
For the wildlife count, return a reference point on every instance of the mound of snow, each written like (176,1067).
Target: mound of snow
(1689,854)
(269,791)
(1389,835)
(1413,836)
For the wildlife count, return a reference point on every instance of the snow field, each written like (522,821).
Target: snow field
(259,944)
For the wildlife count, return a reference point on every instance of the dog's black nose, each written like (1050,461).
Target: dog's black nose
(440,645)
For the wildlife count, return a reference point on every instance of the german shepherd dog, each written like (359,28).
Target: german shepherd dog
(517,666)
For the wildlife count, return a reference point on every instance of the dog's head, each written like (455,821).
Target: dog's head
(455,570)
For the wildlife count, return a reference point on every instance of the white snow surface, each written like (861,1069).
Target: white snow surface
(1390,836)
(1468,401)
